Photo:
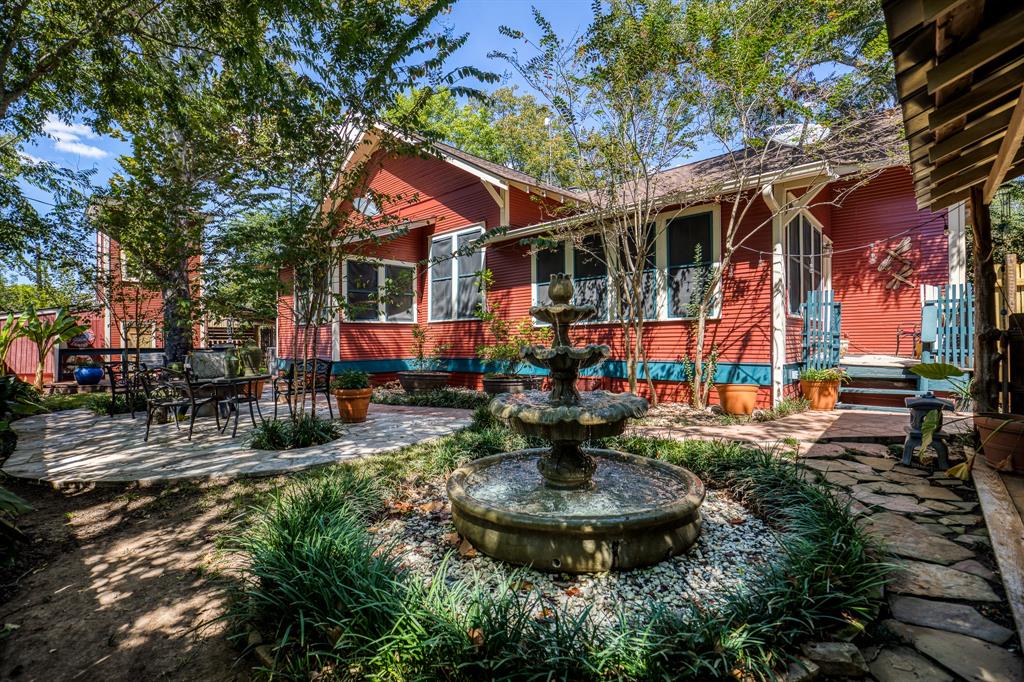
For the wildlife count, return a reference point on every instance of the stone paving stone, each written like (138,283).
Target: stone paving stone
(939,506)
(975,568)
(876,463)
(914,540)
(873,449)
(947,616)
(839,478)
(961,520)
(933,492)
(901,664)
(78,446)
(971,658)
(896,503)
(824,450)
(940,582)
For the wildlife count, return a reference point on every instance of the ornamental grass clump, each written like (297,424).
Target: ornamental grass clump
(334,602)
(300,431)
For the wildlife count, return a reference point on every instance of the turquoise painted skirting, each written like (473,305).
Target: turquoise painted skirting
(726,372)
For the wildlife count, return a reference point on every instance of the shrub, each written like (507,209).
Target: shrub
(785,408)
(300,431)
(99,403)
(351,379)
(830,374)
(442,397)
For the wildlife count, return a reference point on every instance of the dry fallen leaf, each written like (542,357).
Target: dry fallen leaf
(467,550)
(452,538)
(476,636)
(737,520)
(430,507)
(401,507)
(522,586)
(573,592)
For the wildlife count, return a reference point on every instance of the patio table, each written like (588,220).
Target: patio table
(234,388)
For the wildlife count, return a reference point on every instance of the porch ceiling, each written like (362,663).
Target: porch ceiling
(959,75)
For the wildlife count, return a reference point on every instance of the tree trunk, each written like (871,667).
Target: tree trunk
(177,310)
(38,383)
(986,354)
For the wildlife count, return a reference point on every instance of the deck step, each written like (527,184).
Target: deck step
(870,408)
(881,391)
(868,372)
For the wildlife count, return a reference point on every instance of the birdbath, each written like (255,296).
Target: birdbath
(568,507)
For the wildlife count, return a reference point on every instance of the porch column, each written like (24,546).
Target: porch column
(775,197)
(335,307)
(956,242)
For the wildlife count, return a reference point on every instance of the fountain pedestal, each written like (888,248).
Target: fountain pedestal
(567,507)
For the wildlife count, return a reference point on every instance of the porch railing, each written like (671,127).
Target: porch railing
(947,326)
(822,319)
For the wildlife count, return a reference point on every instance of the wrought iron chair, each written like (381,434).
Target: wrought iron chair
(174,392)
(124,382)
(293,382)
(244,394)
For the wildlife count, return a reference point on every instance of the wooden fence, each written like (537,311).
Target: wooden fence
(947,326)
(1009,290)
(822,316)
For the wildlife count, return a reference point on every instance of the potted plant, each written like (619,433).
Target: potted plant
(504,356)
(251,361)
(88,372)
(427,373)
(739,399)
(352,393)
(821,387)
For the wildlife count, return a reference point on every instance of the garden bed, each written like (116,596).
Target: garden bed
(672,414)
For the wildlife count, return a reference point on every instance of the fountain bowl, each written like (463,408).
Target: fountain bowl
(640,511)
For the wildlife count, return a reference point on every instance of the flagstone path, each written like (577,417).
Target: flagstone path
(78,446)
(946,597)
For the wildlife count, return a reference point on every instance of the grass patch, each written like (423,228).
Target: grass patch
(70,401)
(300,431)
(334,604)
(444,397)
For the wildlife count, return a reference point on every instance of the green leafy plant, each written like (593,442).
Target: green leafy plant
(11,331)
(351,379)
(46,333)
(301,431)
(503,356)
(825,374)
(956,377)
(100,403)
(442,397)
(422,360)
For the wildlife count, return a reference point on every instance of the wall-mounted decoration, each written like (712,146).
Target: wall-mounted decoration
(897,265)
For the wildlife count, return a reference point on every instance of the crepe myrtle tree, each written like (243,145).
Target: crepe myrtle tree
(773,84)
(624,99)
(358,63)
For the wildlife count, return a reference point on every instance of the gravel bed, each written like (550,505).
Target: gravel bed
(734,544)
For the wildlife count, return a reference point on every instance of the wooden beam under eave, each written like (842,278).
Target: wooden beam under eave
(982,93)
(976,157)
(944,202)
(1009,148)
(990,44)
(982,132)
(966,179)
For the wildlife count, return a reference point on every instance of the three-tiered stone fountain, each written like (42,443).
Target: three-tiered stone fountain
(568,508)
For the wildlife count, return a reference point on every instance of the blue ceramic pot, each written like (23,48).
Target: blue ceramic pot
(88,376)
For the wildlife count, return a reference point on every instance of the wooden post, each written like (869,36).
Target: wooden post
(986,354)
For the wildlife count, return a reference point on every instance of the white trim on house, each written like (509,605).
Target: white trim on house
(454,236)
(774,197)
(381,264)
(956,242)
(661,264)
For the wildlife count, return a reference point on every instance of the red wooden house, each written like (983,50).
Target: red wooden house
(834,251)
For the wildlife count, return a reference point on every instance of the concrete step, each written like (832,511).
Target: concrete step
(880,391)
(870,408)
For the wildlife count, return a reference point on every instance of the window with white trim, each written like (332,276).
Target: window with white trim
(379,291)
(456,260)
(689,259)
(808,263)
(683,252)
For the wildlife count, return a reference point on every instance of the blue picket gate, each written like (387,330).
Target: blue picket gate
(822,317)
(947,326)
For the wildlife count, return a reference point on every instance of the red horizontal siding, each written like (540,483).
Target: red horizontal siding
(869,220)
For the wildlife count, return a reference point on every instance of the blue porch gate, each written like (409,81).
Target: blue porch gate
(822,317)
(947,326)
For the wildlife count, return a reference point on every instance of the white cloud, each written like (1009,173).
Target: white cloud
(68,137)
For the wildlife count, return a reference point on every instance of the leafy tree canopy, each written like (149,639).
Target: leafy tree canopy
(505,127)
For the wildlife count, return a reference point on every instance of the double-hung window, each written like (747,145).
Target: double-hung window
(807,261)
(376,291)
(690,257)
(456,260)
(682,253)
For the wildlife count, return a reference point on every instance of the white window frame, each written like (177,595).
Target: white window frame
(454,236)
(826,255)
(142,324)
(381,264)
(661,265)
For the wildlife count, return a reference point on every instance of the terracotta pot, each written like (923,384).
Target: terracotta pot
(511,384)
(822,395)
(415,381)
(352,403)
(257,386)
(737,398)
(1002,439)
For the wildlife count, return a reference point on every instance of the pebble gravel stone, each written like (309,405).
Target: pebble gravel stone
(734,546)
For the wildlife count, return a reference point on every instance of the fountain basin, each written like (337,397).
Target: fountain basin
(639,511)
(597,414)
